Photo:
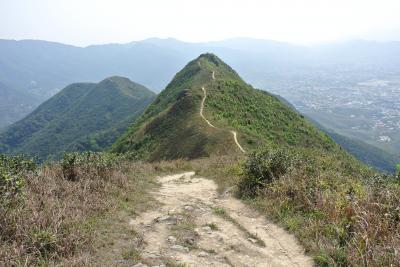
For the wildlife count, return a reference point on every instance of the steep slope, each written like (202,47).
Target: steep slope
(83,116)
(369,154)
(235,118)
(364,152)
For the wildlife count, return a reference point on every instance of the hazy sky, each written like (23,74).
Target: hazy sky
(83,22)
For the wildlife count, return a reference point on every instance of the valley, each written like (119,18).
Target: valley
(366,110)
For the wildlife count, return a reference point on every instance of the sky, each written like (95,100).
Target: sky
(85,22)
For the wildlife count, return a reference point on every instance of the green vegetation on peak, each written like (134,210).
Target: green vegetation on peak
(83,116)
(171,127)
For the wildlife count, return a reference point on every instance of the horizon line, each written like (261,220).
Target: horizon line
(204,42)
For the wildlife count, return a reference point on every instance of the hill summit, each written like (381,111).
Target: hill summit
(83,116)
(208,109)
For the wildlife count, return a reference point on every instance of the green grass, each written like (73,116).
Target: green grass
(131,254)
(213,226)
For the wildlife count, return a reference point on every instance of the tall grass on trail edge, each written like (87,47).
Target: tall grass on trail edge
(343,214)
(49,213)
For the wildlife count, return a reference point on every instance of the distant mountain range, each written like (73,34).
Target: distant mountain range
(83,116)
(32,71)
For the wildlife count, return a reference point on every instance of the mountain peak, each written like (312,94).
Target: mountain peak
(210,57)
(124,85)
(208,109)
(116,80)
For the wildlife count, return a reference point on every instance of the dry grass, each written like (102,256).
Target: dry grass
(66,222)
(343,217)
(337,229)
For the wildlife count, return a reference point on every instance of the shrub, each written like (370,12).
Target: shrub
(398,170)
(261,169)
(68,165)
(12,180)
(98,164)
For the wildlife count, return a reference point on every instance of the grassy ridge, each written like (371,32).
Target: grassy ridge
(171,127)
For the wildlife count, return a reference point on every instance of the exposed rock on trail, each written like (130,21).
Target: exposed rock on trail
(196,227)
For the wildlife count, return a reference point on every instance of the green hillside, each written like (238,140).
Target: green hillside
(83,116)
(171,127)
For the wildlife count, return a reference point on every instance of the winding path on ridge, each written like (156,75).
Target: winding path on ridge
(234,133)
(196,226)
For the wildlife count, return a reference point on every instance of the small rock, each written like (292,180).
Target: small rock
(180,248)
(252,240)
(203,254)
(219,257)
(190,241)
(140,265)
(163,218)
(207,229)
(153,254)
(189,208)
(171,239)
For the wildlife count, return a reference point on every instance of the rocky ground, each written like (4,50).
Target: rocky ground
(195,226)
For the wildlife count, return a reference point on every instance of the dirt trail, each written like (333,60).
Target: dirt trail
(202,108)
(234,133)
(237,142)
(194,226)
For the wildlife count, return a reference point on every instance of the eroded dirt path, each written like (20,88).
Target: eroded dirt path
(237,142)
(202,108)
(234,133)
(194,226)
